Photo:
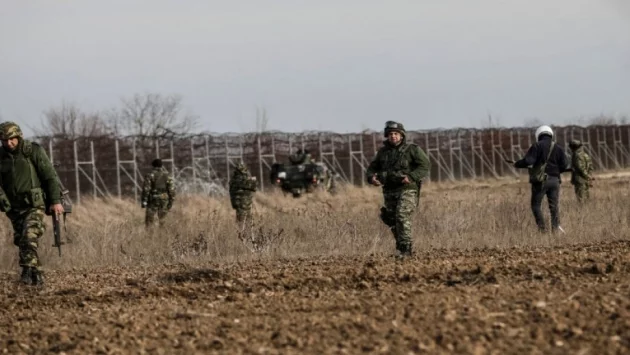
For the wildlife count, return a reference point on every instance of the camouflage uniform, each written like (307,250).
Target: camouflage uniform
(327,177)
(300,157)
(29,181)
(582,168)
(242,188)
(158,195)
(390,165)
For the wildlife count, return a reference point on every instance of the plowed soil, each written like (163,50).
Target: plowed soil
(573,299)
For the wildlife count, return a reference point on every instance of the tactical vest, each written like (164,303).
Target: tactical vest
(160,182)
(395,166)
(34,197)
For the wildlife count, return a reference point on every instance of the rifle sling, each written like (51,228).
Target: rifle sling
(551,146)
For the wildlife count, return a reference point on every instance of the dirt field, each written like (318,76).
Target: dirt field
(482,281)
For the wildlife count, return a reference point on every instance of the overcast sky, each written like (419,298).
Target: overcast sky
(342,65)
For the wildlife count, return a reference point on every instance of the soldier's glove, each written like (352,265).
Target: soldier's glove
(169,205)
(144,204)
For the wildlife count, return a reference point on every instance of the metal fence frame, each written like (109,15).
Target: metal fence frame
(107,166)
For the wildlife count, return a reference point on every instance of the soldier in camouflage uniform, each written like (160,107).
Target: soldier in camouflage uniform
(158,193)
(29,181)
(242,188)
(327,177)
(399,168)
(302,156)
(582,168)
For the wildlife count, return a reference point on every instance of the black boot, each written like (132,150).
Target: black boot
(26,277)
(37,277)
(404,251)
(408,251)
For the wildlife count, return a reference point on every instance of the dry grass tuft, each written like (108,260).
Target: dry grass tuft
(200,229)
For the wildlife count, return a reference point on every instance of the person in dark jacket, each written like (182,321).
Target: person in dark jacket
(546,160)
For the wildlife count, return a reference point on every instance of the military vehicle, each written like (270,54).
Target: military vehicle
(300,176)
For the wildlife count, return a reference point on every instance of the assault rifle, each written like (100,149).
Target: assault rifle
(67,208)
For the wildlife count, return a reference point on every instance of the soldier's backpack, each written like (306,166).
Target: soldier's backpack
(159,184)
(66,202)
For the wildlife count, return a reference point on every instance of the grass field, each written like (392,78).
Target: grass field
(322,279)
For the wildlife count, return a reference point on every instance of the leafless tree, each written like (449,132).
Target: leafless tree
(602,120)
(68,121)
(262,120)
(533,122)
(492,122)
(153,116)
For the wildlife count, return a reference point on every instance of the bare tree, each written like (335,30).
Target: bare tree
(602,120)
(492,122)
(153,116)
(532,122)
(262,120)
(68,121)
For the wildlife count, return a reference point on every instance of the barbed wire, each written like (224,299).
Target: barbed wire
(180,136)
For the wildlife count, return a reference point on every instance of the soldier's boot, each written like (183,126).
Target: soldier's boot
(409,250)
(404,251)
(26,277)
(37,277)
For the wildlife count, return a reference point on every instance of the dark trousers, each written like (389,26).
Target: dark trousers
(551,189)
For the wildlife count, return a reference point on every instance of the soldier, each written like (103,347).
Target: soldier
(399,168)
(242,188)
(28,178)
(327,176)
(582,168)
(158,193)
(302,156)
(545,160)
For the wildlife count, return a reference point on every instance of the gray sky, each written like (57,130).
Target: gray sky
(341,65)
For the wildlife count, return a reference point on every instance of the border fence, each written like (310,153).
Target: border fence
(110,166)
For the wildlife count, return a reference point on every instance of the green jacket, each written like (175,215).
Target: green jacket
(241,182)
(158,184)
(582,167)
(392,162)
(28,177)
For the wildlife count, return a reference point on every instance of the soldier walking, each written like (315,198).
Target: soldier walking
(582,169)
(399,168)
(158,194)
(242,188)
(326,175)
(546,160)
(27,177)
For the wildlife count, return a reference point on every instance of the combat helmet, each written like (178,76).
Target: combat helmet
(9,130)
(393,126)
(575,144)
(241,167)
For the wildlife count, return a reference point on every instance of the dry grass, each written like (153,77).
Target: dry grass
(465,215)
